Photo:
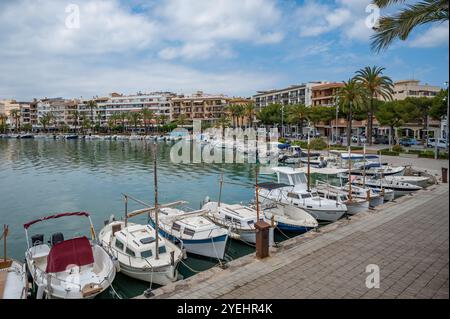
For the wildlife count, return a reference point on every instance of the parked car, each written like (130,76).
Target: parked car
(441,142)
(362,139)
(405,142)
(381,139)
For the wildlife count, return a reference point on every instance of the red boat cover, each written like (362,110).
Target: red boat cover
(77,251)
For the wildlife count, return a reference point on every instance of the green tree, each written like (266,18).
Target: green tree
(421,107)
(134,117)
(222,122)
(92,105)
(376,85)
(249,112)
(15,115)
(296,115)
(394,114)
(27,127)
(270,115)
(76,119)
(147,115)
(46,120)
(236,112)
(439,105)
(402,23)
(3,124)
(182,120)
(351,97)
(85,124)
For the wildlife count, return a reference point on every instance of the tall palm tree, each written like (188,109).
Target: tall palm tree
(297,114)
(377,85)
(351,96)
(402,23)
(182,119)
(91,104)
(134,117)
(46,120)
(3,125)
(76,118)
(15,114)
(249,111)
(236,112)
(147,115)
(222,122)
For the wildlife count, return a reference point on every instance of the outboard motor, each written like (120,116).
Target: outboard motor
(57,238)
(37,239)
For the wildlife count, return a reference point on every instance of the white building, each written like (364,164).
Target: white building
(294,94)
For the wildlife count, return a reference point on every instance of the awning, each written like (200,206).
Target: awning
(77,251)
(27,225)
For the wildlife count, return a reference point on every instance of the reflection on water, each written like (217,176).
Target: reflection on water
(40,177)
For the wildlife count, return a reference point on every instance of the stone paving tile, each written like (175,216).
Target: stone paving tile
(407,239)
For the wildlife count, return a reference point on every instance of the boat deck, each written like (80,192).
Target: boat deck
(332,263)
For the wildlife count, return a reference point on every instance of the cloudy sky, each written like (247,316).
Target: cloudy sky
(233,47)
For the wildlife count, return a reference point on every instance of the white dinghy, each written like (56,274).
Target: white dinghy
(69,269)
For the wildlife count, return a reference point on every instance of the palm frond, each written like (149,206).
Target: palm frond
(401,24)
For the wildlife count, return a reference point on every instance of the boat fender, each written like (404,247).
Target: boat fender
(116,264)
(184,253)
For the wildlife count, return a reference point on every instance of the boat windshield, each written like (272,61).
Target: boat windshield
(299,178)
(146,254)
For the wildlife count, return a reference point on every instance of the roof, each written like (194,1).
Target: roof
(287,170)
(272,185)
(240,211)
(137,236)
(327,86)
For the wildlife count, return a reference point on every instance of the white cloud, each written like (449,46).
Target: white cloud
(435,36)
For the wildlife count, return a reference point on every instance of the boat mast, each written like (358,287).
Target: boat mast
(349,173)
(309,163)
(364,166)
(220,189)
(155,182)
(256,191)
(5,234)
(126,209)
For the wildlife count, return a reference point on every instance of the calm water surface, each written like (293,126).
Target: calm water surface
(41,177)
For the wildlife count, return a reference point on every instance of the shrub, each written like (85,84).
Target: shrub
(386,151)
(318,144)
(397,148)
(430,154)
(282,140)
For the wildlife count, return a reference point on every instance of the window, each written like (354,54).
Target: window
(228,218)
(146,254)
(306,195)
(130,252)
(292,195)
(176,226)
(299,179)
(119,244)
(189,232)
(162,250)
(283,178)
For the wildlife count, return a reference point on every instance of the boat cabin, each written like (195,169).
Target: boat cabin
(137,241)
(238,215)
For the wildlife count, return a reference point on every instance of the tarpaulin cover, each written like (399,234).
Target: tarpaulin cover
(77,251)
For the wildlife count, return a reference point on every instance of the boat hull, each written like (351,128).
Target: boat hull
(354,208)
(325,215)
(161,276)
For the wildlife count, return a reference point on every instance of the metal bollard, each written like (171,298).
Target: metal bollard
(444,174)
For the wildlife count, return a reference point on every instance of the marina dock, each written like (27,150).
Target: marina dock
(407,239)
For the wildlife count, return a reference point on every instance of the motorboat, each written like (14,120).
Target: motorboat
(421,181)
(134,247)
(365,193)
(289,218)
(25,136)
(399,188)
(375,168)
(13,275)
(292,188)
(71,137)
(239,219)
(354,205)
(198,234)
(68,268)
(13,280)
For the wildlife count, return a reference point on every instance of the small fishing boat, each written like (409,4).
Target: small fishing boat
(289,218)
(375,168)
(25,136)
(198,234)
(399,188)
(421,181)
(239,219)
(354,205)
(292,188)
(13,275)
(134,247)
(68,268)
(365,193)
(71,137)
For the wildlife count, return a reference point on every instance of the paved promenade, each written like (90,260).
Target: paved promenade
(408,240)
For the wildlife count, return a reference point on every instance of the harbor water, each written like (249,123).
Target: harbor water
(40,177)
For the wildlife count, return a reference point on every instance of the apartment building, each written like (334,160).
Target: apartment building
(199,106)
(294,94)
(413,88)
(157,102)
(325,94)
(6,106)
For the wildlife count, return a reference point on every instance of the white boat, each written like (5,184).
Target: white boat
(376,168)
(68,268)
(289,218)
(135,137)
(198,234)
(292,189)
(421,181)
(354,205)
(399,188)
(239,219)
(366,193)
(134,247)
(13,280)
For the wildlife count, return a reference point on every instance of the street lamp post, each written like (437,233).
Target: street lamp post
(282,120)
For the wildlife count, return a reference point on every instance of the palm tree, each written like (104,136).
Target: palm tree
(182,119)
(351,96)
(297,114)
(134,117)
(3,125)
(222,122)
(46,120)
(249,111)
(147,115)
(85,123)
(76,118)
(15,114)
(122,116)
(236,112)
(401,24)
(92,105)
(377,85)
